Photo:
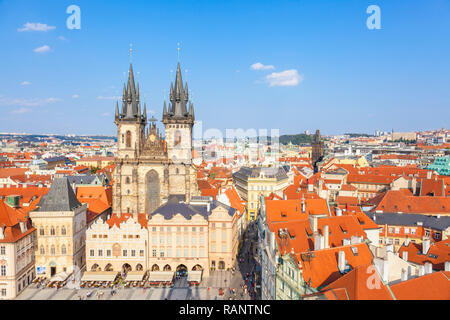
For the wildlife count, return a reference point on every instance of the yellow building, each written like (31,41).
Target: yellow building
(251,183)
(198,236)
(95,162)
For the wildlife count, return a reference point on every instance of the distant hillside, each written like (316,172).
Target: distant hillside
(297,139)
(357,135)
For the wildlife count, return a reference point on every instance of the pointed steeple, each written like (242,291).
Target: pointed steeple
(178,83)
(137,92)
(117,110)
(145,112)
(124,95)
(164,108)
(139,111)
(191,109)
(171,92)
(186,92)
(131,82)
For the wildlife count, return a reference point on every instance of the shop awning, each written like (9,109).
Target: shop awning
(194,276)
(99,276)
(161,276)
(135,276)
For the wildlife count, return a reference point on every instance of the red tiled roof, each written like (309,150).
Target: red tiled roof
(438,253)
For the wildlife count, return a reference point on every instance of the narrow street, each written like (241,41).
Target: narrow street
(243,281)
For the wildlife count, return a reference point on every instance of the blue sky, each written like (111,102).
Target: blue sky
(338,75)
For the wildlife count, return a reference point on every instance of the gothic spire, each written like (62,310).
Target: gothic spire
(165,108)
(145,112)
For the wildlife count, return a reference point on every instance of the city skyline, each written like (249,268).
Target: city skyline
(320,63)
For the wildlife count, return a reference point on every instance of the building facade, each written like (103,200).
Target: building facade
(252,183)
(60,221)
(17,241)
(149,168)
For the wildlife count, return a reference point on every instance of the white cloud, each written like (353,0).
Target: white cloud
(62,38)
(27,102)
(260,66)
(21,110)
(42,49)
(75,96)
(107,98)
(25,83)
(31,26)
(287,78)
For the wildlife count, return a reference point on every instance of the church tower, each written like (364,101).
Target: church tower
(178,122)
(131,121)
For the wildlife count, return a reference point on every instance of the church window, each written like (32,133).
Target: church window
(52,231)
(53,250)
(42,250)
(128,139)
(63,230)
(127,180)
(63,249)
(41,231)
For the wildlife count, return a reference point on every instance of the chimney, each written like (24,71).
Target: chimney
(325,237)
(303,206)
(385,270)
(313,223)
(341,261)
(404,275)
(429,174)
(318,242)
(310,187)
(421,271)
(23,226)
(345,242)
(406,243)
(447,266)
(355,240)
(389,248)
(425,246)
(338,212)
(405,255)
(428,268)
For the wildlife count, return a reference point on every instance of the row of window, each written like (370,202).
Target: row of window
(405,230)
(53,231)
(108,253)
(394,241)
(53,250)
(162,254)
(178,229)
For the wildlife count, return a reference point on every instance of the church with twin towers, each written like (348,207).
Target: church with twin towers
(152,168)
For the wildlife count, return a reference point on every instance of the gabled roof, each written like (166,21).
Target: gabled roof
(437,255)
(399,201)
(321,268)
(355,285)
(60,197)
(433,286)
